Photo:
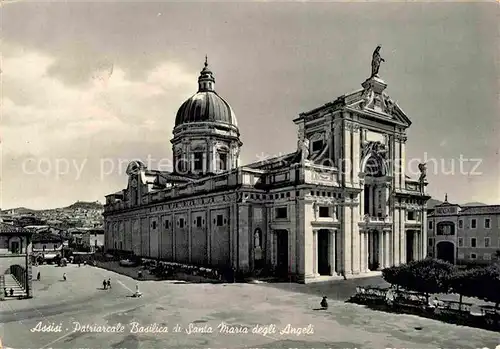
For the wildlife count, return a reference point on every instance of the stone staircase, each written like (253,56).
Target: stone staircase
(9,281)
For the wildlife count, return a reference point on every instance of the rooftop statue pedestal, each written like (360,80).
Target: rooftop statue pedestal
(374,83)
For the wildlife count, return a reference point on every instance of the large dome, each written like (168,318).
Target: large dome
(206,105)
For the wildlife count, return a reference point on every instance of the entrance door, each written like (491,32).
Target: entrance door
(409,246)
(373,250)
(323,265)
(446,251)
(14,246)
(282,252)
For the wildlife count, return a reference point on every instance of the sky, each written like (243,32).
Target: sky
(89,86)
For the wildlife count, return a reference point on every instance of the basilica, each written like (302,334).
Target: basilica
(338,205)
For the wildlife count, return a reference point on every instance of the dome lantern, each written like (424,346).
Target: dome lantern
(206,80)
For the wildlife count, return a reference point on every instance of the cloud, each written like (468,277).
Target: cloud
(47,120)
(41,113)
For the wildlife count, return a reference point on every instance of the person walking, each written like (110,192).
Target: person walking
(104,284)
(64,276)
(109,283)
(38,276)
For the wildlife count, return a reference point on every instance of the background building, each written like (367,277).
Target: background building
(15,265)
(341,203)
(464,235)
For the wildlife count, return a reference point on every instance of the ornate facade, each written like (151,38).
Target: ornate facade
(340,204)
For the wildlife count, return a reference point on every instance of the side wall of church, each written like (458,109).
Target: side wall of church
(201,234)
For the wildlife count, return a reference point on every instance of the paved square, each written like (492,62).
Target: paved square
(266,309)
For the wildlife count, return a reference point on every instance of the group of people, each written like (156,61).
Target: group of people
(106,284)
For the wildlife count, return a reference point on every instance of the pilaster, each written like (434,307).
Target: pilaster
(403,162)
(363,254)
(423,232)
(208,228)
(347,222)
(189,221)
(243,238)
(347,151)
(387,249)
(292,239)
(396,146)
(315,253)
(308,239)
(355,238)
(333,248)
(356,161)
(233,234)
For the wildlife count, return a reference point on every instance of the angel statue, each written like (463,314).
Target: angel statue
(423,174)
(376,60)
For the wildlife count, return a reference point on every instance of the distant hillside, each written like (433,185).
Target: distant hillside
(21,210)
(474,204)
(433,202)
(96,205)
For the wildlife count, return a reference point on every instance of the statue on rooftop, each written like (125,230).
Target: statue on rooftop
(423,174)
(376,60)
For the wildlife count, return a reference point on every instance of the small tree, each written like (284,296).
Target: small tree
(396,275)
(460,283)
(429,276)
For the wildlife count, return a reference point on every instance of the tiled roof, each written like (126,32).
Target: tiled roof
(46,237)
(11,229)
(480,209)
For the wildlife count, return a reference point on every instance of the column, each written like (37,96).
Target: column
(386,200)
(315,253)
(376,200)
(380,255)
(367,246)
(423,232)
(382,249)
(332,245)
(387,261)
(370,248)
(371,200)
(362,253)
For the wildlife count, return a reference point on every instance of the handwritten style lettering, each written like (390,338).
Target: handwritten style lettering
(192,328)
(49,327)
(298,331)
(230,329)
(136,327)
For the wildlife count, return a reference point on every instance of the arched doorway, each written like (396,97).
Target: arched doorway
(446,251)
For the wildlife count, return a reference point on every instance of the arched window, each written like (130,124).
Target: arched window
(445,228)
